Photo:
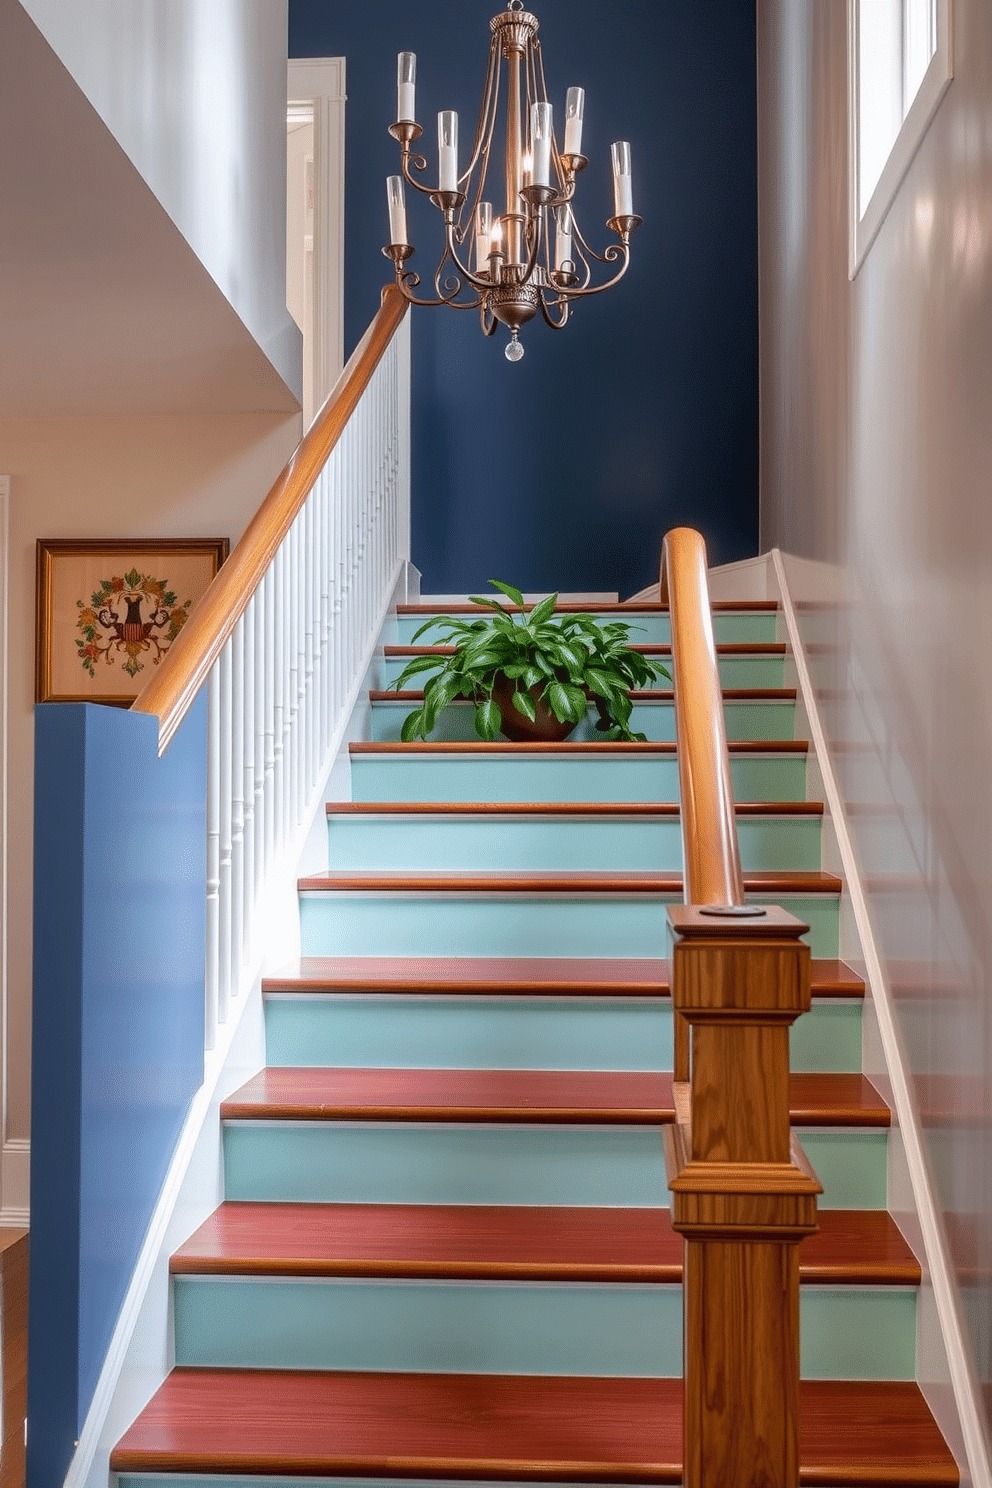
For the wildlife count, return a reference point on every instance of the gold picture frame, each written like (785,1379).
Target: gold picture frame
(109,609)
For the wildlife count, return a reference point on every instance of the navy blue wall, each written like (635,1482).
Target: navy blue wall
(117,1043)
(566,469)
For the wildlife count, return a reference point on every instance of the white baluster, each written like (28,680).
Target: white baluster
(239,713)
(263,744)
(223,668)
(275,659)
(213,860)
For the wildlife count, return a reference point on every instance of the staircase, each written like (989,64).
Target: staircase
(446,1251)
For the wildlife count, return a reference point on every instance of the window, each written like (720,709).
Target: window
(900,63)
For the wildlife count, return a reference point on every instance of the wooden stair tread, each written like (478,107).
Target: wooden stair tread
(636,694)
(639,809)
(553,1097)
(646,648)
(582,749)
(517,1427)
(594,607)
(514,881)
(512,976)
(487,1242)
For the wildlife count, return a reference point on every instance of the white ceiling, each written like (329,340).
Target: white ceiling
(104,307)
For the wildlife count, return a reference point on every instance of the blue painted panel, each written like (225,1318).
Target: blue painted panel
(118,1029)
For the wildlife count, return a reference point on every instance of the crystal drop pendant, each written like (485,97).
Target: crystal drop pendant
(513,351)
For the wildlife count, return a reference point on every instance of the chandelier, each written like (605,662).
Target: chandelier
(517,271)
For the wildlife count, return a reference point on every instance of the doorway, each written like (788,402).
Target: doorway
(315,220)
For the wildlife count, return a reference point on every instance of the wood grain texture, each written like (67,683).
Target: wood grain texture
(511,976)
(171,690)
(555,1096)
(528,1428)
(646,648)
(14,1343)
(506,1242)
(643,695)
(650,810)
(609,750)
(741,1400)
(623,609)
(512,881)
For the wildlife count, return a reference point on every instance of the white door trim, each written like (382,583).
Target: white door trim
(321,81)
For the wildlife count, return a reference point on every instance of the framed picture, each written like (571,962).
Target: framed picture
(108,611)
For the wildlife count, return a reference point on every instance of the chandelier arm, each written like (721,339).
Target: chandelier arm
(482,285)
(613,253)
(415,162)
(558,303)
(486,124)
(609,255)
(407,282)
(488,319)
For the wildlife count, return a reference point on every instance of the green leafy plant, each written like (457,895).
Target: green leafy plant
(537,660)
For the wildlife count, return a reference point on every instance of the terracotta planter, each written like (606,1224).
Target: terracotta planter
(517,726)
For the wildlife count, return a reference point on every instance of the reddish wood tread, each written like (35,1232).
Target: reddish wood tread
(646,648)
(592,607)
(485,1242)
(508,976)
(527,1428)
(649,809)
(555,1097)
(512,881)
(637,694)
(568,746)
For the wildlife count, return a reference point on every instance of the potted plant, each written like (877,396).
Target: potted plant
(530,676)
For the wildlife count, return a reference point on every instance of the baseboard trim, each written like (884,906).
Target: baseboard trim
(964,1428)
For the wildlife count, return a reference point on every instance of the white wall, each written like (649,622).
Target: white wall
(156,476)
(876,401)
(195,93)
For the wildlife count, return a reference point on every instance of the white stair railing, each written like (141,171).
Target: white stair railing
(282,640)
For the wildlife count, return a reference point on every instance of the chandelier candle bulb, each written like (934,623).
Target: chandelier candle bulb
(623,195)
(483,235)
(406,87)
(563,237)
(575,104)
(397,209)
(540,139)
(447,144)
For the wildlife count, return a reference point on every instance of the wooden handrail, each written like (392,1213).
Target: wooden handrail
(171,691)
(711,860)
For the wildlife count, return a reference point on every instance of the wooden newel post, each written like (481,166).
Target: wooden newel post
(744,1194)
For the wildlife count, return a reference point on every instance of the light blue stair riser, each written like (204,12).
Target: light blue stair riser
(369,923)
(560,777)
(448,1327)
(655,719)
(327,1162)
(735,671)
(729,627)
(507,1328)
(556,842)
(372,1032)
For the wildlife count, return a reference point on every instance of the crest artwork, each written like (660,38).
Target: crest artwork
(109,612)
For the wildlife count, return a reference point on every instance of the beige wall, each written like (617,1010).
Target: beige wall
(153,476)
(876,435)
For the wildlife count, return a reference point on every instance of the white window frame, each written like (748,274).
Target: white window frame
(866,218)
